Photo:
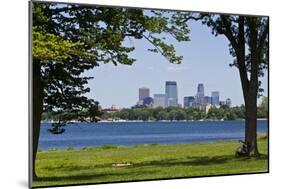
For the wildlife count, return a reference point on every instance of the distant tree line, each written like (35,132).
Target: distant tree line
(177,113)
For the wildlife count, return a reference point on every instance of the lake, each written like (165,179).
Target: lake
(82,135)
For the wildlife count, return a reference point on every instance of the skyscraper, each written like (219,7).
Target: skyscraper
(159,100)
(215,98)
(200,94)
(171,92)
(228,102)
(188,101)
(143,93)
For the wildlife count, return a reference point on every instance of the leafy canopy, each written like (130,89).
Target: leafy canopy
(69,39)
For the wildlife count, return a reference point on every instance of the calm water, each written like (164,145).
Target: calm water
(133,133)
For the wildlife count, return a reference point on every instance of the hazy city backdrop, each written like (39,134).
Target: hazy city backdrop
(206,60)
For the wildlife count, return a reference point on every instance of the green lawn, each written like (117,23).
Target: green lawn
(95,165)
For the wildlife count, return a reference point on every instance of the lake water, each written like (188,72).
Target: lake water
(132,133)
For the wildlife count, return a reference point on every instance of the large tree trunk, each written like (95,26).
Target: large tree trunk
(250,87)
(250,92)
(37,109)
(251,123)
(251,113)
(250,98)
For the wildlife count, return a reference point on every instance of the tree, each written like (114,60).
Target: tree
(162,115)
(180,114)
(172,115)
(215,113)
(230,114)
(248,44)
(69,39)
(263,108)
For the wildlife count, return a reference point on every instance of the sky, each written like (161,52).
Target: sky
(206,60)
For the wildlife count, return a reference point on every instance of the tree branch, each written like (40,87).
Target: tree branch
(157,48)
(241,60)
(263,35)
(228,33)
(188,18)
(255,54)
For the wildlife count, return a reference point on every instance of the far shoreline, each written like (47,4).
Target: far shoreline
(152,121)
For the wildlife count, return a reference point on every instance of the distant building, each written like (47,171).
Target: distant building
(222,103)
(148,101)
(114,106)
(188,101)
(228,102)
(207,108)
(143,93)
(159,100)
(207,100)
(200,94)
(171,92)
(215,98)
(140,102)
(112,109)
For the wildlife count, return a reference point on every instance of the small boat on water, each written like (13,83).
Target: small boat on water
(57,128)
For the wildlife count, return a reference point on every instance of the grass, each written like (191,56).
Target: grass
(96,165)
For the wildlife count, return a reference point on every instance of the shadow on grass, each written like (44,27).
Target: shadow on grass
(199,161)
(186,161)
(85,176)
(70,168)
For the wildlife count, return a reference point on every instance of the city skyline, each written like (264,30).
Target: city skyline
(206,60)
(170,97)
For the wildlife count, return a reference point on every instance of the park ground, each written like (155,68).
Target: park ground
(145,162)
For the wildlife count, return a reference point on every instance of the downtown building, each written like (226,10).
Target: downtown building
(159,100)
(215,98)
(199,98)
(206,102)
(188,101)
(228,102)
(171,94)
(144,98)
(143,93)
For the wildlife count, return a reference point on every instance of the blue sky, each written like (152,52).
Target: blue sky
(206,60)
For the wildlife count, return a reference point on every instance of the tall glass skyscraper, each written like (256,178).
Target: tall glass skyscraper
(200,94)
(215,98)
(171,92)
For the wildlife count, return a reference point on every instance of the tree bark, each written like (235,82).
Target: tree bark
(251,124)
(250,87)
(251,135)
(250,97)
(37,109)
